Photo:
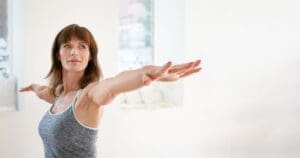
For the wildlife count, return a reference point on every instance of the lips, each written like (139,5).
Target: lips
(74,60)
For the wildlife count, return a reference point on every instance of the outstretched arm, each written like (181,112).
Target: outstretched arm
(103,92)
(43,92)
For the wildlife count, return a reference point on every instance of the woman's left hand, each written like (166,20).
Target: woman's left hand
(169,72)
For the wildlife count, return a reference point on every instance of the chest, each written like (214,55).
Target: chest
(63,131)
(86,113)
(62,104)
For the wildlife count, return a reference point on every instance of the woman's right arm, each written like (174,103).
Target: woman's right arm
(43,92)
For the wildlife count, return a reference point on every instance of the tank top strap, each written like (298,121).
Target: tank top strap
(76,97)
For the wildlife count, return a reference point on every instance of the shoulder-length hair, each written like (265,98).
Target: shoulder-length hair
(92,72)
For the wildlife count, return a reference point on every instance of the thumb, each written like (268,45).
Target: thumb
(165,68)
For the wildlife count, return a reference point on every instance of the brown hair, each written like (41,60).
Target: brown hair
(92,71)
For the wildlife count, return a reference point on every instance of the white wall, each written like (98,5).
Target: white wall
(243,104)
(246,100)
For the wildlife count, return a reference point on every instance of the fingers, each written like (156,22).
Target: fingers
(197,63)
(184,67)
(170,77)
(177,68)
(163,69)
(167,72)
(27,88)
(166,67)
(187,73)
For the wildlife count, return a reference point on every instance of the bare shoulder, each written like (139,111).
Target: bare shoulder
(87,111)
(83,98)
(96,93)
(88,88)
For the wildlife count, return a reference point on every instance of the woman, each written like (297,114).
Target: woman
(78,95)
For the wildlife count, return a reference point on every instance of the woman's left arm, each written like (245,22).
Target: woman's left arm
(105,91)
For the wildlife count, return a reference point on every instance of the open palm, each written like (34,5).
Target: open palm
(169,72)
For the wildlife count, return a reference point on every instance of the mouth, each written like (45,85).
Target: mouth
(73,61)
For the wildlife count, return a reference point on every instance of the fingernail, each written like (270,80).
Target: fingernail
(169,62)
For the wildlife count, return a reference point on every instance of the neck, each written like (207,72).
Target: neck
(71,81)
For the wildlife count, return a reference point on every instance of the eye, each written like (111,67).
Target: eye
(67,46)
(82,46)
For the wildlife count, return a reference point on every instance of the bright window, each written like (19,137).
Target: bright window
(136,34)
(149,34)
(5,66)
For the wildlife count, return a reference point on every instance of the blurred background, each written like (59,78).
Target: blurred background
(245,102)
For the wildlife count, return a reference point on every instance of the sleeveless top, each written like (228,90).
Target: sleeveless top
(64,136)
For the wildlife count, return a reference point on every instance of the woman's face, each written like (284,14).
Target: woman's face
(74,55)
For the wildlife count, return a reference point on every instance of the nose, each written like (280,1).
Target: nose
(74,51)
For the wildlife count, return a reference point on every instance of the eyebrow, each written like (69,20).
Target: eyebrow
(83,42)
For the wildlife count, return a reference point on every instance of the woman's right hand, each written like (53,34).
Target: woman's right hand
(33,87)
(27,88)
(43,92)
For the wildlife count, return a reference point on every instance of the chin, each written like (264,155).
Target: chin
(76,69)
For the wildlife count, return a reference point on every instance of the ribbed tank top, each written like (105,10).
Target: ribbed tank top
(64,136)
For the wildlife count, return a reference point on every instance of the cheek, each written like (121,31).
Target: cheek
(88,56)
(61,55)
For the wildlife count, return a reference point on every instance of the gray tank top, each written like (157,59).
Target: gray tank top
(64,136)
